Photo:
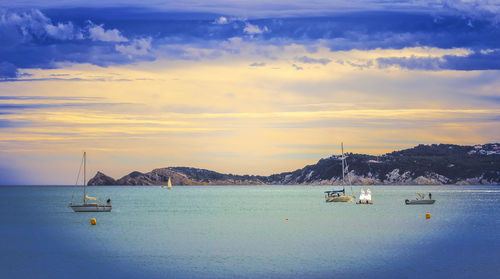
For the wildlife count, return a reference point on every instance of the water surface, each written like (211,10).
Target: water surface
(235,231)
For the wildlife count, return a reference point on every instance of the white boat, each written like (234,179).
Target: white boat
(88,206)
(421,199)
(365,198)
(339,195)
(169,185)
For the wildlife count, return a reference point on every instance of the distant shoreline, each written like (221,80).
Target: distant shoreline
(259,185)
(435,164)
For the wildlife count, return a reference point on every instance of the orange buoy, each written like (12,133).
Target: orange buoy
(93,221)
(427,215)
(286,219)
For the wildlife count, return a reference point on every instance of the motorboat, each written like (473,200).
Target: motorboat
(421,199)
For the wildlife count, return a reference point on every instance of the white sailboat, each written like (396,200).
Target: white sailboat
(169,185)
(365,198)
(88,206)
(339,195)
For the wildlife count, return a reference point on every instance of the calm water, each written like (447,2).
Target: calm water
(241,232)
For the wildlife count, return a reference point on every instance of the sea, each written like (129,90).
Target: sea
(249,232)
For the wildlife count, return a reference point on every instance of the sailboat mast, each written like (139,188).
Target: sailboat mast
(84,175)
(343,181)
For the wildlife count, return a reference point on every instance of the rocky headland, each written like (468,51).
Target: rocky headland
(435,164)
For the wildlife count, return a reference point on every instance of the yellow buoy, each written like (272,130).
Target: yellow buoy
(93,221)
(286,219)
(427,215)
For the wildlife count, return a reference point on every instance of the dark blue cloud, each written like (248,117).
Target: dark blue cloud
(491,99)
(310,60)
(31,39)
(487,60)
(8,70)
(11,107)
(114,36)
(59,98)
(257,64)
(5,123)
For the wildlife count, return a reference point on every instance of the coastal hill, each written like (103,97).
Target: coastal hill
(421,165)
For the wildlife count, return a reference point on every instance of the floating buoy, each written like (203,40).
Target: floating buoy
(286,219)
(427,215)
(93,221)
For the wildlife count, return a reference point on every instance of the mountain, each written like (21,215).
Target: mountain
(434,164)
(178,176)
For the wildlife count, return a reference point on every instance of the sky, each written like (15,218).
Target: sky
(243,87)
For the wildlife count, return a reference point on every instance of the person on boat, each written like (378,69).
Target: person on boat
(108,201)
(430,196)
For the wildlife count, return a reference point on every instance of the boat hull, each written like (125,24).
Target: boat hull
(410,202)
(364,202)
(90,207)
(339,198)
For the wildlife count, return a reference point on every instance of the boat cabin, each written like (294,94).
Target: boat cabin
(336,193)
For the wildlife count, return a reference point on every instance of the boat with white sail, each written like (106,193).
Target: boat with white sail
(365,197)
(86,206)
(169,184)
(421,199)
(340,195)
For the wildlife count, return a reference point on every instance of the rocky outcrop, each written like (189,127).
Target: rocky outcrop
(421,165)
(101,179)
(178,176)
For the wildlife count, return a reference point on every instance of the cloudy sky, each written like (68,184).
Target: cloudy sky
(246,87)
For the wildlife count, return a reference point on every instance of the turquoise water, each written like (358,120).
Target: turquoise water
(241,232)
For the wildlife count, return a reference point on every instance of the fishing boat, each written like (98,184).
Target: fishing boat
(365,198)
(421,199)
(340,195)
(88,206)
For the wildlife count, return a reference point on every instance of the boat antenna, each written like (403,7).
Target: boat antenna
(77,178)
(343,170)
(84,175)
(348,176)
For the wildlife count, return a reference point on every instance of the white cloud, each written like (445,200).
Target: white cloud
(477,9)
(98,33)
(34,24)
(221,20)
(254,29)
(487,51)
(138,47)
(63,31)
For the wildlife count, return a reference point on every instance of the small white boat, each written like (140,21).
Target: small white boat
(88,206)
(169,184)
(365,198)
(421,199)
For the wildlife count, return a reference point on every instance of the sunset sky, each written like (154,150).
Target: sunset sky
(244,87)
